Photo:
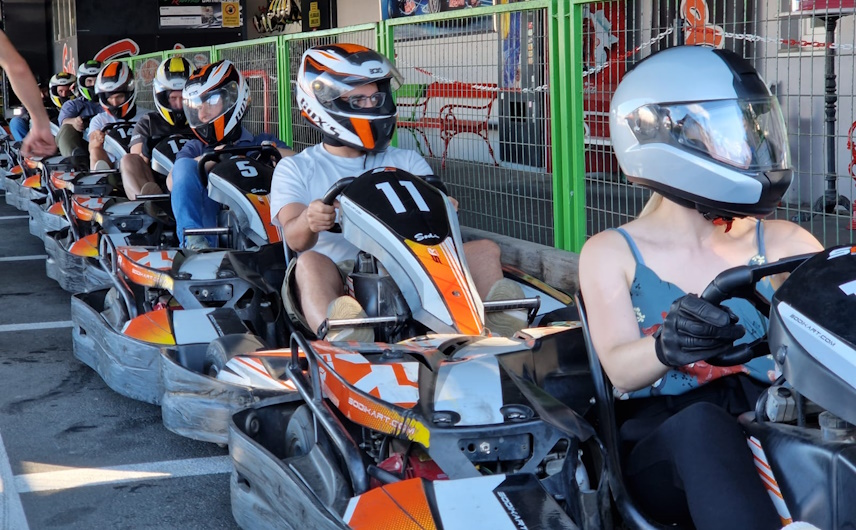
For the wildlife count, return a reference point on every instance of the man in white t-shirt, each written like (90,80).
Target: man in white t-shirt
(116,92)
(345,90)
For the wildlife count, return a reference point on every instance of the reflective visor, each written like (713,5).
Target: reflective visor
(746,134)
(210,105)
(328,86)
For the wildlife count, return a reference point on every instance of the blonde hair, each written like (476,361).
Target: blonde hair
(653,203)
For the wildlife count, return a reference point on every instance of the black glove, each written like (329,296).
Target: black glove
(695,330)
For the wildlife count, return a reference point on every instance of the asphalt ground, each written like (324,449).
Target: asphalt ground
(73,453)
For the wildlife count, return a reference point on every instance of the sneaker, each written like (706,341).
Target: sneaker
(102,165)
(196,243)
(151,188)
(348,307)
(506,323)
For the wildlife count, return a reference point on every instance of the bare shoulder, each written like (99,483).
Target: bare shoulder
(783,238)
(604,257)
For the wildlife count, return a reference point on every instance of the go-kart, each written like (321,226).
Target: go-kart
(166,296)
(453,427)
(803,429)
(94,208)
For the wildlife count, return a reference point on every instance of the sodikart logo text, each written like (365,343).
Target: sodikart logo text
(819,334)
(395,424)
(512,511)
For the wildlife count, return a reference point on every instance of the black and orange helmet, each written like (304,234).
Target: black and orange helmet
(216,98)
(328,74)
(117,78)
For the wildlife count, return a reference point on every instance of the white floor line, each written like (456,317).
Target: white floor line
(82,477)
(9,217)
(36,325)
(25,258)
(11,509)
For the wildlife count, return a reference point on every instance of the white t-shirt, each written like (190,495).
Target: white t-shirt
(308,175)
(104,118)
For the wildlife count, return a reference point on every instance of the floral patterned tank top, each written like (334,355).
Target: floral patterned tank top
(652,298)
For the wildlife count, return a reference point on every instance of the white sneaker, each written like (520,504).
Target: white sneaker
(800,525)
(346,307)
(506,323)
(102,165)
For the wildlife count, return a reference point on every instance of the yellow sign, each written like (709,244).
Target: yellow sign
(314,15)
(231,14)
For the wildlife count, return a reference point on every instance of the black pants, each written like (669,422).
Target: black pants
(687,460)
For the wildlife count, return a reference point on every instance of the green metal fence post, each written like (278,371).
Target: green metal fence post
(286,131)
(566,119)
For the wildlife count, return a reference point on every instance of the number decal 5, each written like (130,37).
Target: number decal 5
(247,170)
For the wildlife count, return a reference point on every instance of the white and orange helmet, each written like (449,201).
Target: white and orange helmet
(212,85)
(327,73)
(116,77)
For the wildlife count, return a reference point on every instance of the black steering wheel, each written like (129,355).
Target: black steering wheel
(264,153)
(739,282)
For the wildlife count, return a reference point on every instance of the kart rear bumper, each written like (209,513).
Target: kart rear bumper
(128,366)
(266,490)
(195,405)
(75,274)
(42,222)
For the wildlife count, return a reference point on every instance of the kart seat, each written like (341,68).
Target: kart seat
(607,429)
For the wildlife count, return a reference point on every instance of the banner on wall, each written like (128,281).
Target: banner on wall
(199,14)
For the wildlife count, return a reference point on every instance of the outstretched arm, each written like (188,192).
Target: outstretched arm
(39,141)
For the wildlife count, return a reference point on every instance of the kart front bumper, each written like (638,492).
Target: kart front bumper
(75,274)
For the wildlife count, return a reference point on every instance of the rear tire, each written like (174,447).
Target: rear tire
(222,349)
(300,433)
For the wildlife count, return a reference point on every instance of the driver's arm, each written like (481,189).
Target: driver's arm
(630,362)
(137,149)
(301,224)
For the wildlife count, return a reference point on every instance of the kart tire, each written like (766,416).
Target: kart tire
(221,349)
(300,434)
(115,312)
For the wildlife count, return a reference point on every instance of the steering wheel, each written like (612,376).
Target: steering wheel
(337,189)
(265,152)
(739,282)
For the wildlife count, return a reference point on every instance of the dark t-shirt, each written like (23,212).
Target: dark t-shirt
(151,129)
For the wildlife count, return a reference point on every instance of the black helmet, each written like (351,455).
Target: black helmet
(58,80)
(699,126)
(220,86)
(365,122)
(87,70)
(172,75)
(117,78)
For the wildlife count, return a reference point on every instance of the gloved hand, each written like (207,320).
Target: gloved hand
(695,330)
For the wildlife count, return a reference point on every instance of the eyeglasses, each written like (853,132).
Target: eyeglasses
(366,102)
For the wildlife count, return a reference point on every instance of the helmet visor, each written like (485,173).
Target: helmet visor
(208,106)
(746,134)
(328,86)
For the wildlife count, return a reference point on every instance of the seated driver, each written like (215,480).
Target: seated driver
(345,91)
(166,121)
(215,100)
(117,94)
(75,113)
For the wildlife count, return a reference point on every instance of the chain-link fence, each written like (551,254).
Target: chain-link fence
(145,68)
(475,106)
(303,134)
(257,62)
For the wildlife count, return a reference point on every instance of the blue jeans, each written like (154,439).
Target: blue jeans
(19,127)
(190,202)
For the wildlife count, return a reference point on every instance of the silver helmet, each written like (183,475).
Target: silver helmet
(699,126)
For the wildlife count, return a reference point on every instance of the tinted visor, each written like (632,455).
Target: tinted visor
(210,105)
(746,134)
